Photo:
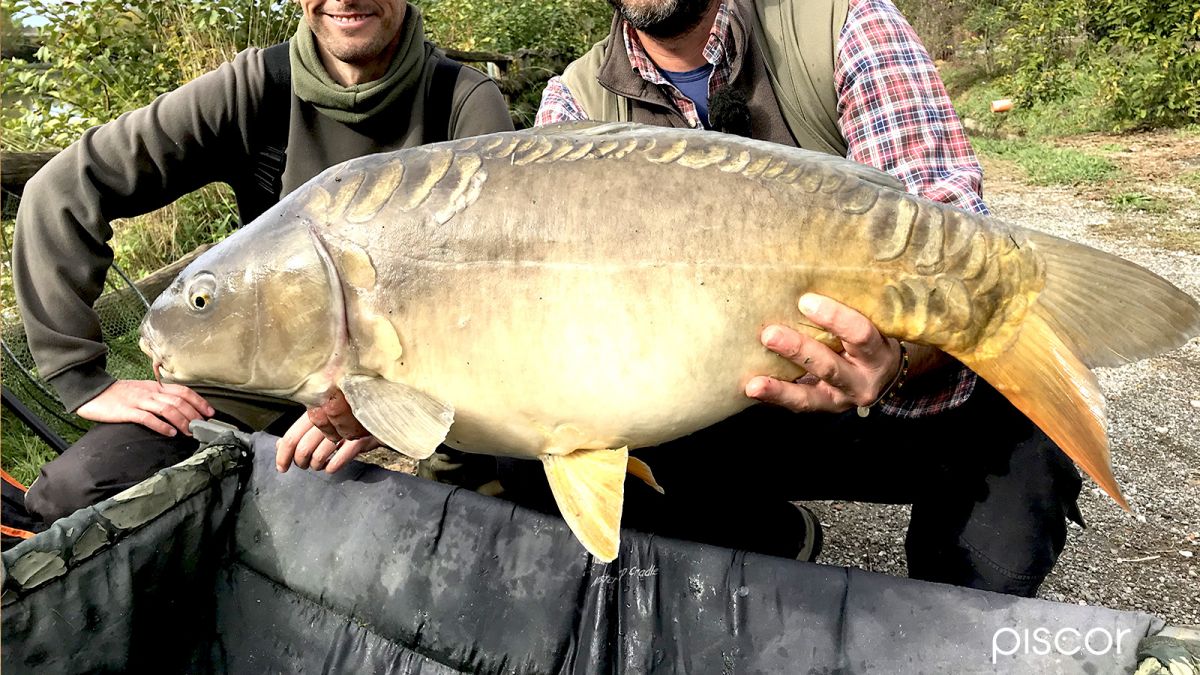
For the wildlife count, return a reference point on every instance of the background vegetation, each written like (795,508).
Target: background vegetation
(1071,66)
(1098,64)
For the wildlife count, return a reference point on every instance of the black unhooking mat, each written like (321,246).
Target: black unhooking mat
(221,564)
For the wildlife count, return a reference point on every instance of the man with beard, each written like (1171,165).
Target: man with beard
(883,421)
(358,77)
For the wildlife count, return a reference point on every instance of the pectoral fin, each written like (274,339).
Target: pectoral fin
(589,487)
(405,419)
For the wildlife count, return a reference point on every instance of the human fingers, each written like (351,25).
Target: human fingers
(320,420)
(177,410)
(350,450)
(308,445)
(861,339)
(811,355)
(172,405)
(191,397)
(181,404)
(150,421)
(323,452)
(349,427)
(341,417)
(799,397)
(869,360)
(166,410)
(122,401)
(285,447)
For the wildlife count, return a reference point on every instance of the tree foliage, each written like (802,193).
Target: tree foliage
(556,30)
(549,26)
(1145,54)
(1150,65)
(941,24)
(100,58)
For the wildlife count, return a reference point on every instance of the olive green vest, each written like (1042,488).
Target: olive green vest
(798,42)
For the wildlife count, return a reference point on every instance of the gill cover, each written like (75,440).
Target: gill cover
(403,418)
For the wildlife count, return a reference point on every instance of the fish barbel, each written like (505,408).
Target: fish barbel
(571,293)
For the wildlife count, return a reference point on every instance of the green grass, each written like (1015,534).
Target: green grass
(1137,201)
(21,453)
(1048,165)
(1191,179)
(148,242)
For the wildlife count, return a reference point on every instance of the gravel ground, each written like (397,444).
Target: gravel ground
(1149,560)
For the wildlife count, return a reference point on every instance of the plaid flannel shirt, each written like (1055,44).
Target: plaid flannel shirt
(893,111)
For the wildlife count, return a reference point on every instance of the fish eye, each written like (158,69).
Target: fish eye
(200,292)
(200,300)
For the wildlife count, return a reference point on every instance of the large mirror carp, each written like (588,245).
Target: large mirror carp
(568,294)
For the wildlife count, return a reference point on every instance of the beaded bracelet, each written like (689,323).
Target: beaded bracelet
(893,389)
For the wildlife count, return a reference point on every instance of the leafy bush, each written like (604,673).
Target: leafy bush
(939,23)
(1150,62)
(1044,47)
(556,30)
(1079,110)
(564,26)
(1144,54)
(100,58)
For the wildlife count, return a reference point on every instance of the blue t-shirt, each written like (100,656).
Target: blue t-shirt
(694,85)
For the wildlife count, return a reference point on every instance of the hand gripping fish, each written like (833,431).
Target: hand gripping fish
(568,294)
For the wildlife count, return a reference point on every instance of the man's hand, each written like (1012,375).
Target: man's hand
(306,446)
(166,408)
(836,382)
(335,419)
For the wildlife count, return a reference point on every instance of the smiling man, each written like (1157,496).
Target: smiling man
(356,42)
(357,78)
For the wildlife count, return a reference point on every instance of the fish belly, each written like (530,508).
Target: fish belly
(594,358)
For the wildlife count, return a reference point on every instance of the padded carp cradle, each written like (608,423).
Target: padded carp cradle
(221,564)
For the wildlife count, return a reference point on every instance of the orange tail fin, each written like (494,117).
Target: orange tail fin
(1095,310)
(1041,376)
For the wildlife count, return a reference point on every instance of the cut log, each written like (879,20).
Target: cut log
(16,168)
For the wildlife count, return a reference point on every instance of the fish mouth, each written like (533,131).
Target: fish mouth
(148,348)
(158,364)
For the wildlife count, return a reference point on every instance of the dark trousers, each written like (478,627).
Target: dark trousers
(990,493)
(112,457)
(104,461)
